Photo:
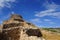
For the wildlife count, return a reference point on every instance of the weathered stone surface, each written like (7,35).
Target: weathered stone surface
(34,32)
(1,26)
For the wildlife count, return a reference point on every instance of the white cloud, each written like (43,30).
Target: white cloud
(47,20)
(12,12)
(36,20)
(51,10)
(52,22)
(51,5)
(5,3)
(44,13)
(10,0)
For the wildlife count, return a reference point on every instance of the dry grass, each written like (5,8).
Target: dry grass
(50,36)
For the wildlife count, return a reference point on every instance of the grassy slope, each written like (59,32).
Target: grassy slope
(53,29)
(50,35)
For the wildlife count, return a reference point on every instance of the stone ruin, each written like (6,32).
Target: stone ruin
(17,29)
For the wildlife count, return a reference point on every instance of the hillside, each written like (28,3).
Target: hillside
(53,29)
(51,33)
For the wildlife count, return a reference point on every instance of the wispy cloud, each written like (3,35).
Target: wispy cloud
(51,5)
(49,21)
(36,20)
(5,3)
(51,10)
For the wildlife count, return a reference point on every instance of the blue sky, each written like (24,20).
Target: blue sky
(42,13)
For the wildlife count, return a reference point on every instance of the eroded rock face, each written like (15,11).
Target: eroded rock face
(17,29)
(34,32)
(30,34)
(11,25)
(11,31)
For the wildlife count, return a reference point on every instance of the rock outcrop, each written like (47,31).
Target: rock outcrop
(17,29)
